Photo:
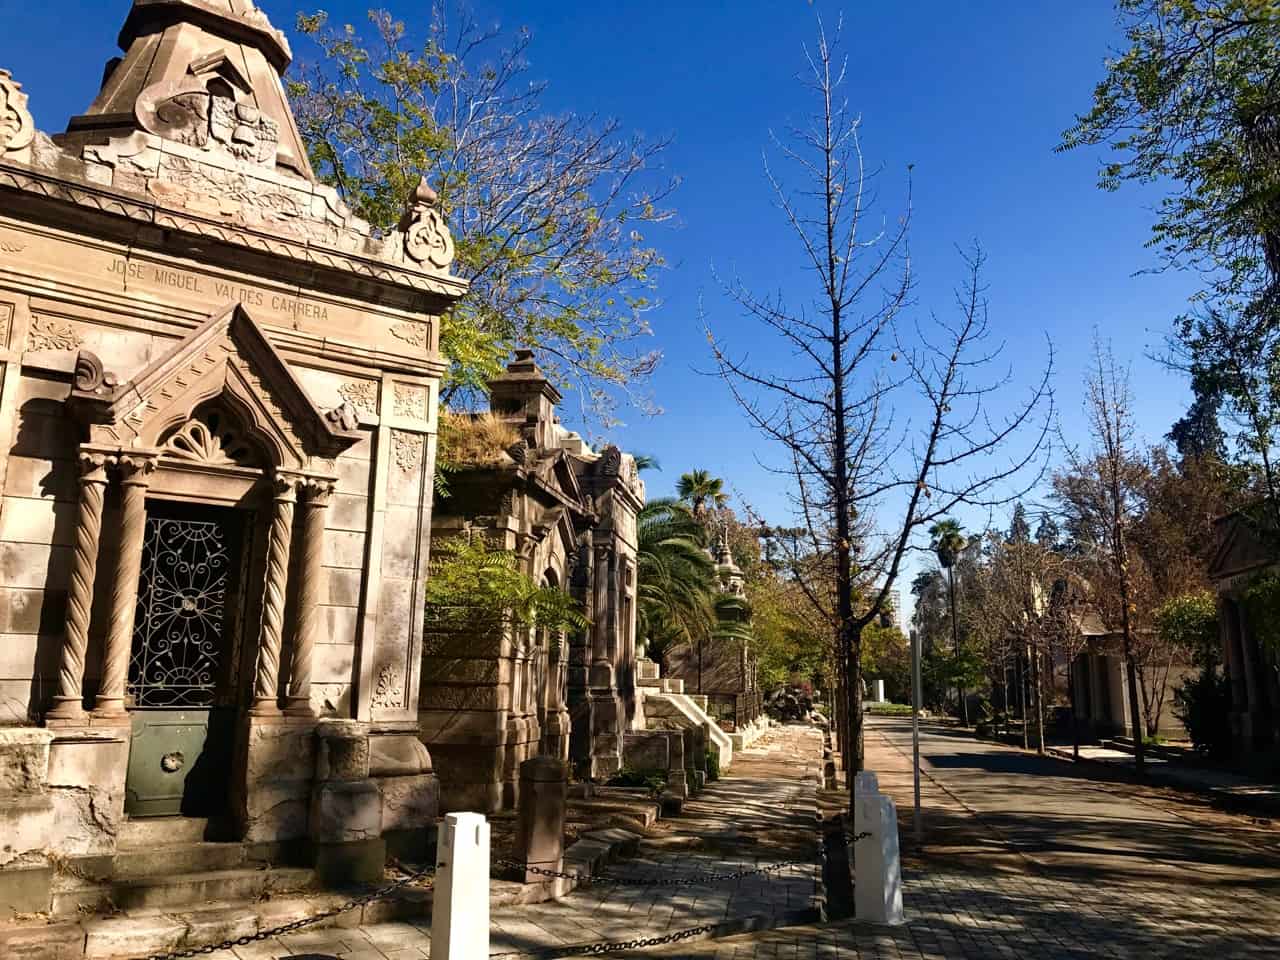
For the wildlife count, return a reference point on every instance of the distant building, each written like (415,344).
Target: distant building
(899,611)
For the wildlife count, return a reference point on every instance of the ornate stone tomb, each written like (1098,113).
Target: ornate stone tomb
(217,438)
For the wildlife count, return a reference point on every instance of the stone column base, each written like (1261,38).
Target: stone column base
(342,864)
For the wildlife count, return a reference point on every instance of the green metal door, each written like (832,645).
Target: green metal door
(181,688)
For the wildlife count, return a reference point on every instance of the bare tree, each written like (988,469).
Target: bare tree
(1100,495)
(865,482)
(1023,594)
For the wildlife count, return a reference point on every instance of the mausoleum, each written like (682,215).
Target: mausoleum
(218,395)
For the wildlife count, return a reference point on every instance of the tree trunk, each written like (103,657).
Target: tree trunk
(955,646)
(1038,697)
(1075,720)
(1022,701)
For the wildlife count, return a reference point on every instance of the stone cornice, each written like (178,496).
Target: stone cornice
(148,212)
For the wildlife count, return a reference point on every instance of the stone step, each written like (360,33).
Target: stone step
(180,889)
(151,831)
(138,863)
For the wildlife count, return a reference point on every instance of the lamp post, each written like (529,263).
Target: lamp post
(917,819)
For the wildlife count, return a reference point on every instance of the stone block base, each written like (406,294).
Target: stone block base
(28,890)
(346,812)
(343,864)
(274,802)
(409,803)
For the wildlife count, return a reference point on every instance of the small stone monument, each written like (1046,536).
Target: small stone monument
(544,791)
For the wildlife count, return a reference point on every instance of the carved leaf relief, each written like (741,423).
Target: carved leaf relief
(410,401)
(414,334)
(407,450)
(211,438)
(46,334)
(389,691)
(362,394)
(17,129)
(428,239)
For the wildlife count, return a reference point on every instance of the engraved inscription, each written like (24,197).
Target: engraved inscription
(222,291)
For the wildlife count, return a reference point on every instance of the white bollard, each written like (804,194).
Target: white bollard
(877,871)
(460,906)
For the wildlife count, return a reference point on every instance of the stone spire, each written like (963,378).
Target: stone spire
(525,391)
(206,73)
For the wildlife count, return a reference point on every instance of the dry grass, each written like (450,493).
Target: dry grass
(475,439)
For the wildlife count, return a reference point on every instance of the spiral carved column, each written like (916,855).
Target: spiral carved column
(68,704)
(267,681)
(134,471)
(310,573)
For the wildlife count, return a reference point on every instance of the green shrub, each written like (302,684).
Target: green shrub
(1203,704)
(889,709)
(655,781)
(712,762)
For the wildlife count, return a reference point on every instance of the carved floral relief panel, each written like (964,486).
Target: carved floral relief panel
(6,324)
(49,333)
(410,401)
(406,450)
(361,394)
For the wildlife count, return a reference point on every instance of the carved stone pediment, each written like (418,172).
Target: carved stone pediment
(230,361)
(17,129)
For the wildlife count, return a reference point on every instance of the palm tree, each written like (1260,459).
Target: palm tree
(948,542)
(700,489)
(676,577)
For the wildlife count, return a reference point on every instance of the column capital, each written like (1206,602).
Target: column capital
(284,486)
(316,491)
(135,468)
(93,465)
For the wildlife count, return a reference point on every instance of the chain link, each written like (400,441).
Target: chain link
(609,946)
(696,880)
(380,894)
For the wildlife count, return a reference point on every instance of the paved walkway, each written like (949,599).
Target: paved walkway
(1238,790)
(1032,857)
(762,813)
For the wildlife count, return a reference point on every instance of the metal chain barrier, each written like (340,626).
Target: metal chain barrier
(360,901)
(692,881)
(609,946)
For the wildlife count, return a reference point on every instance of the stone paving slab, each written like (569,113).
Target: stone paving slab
(762,813)
(1025,858)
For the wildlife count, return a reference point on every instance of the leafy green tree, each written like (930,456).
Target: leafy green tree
(676,578)
(1019,526)
(549,211)
(472,586)
(702,491)
(948,540)
(1194,103)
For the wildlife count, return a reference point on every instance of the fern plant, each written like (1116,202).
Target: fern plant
(473,585)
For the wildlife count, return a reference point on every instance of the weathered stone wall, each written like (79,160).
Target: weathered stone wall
(150,268)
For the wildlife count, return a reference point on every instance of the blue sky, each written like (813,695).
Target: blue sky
(973,94)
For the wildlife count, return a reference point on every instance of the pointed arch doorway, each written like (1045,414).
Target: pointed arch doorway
(197,466)
(187,666)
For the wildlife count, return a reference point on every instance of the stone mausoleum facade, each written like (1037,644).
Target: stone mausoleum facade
(217,432)
(490,702)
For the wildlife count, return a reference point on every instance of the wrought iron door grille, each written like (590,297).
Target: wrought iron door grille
(178,637)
